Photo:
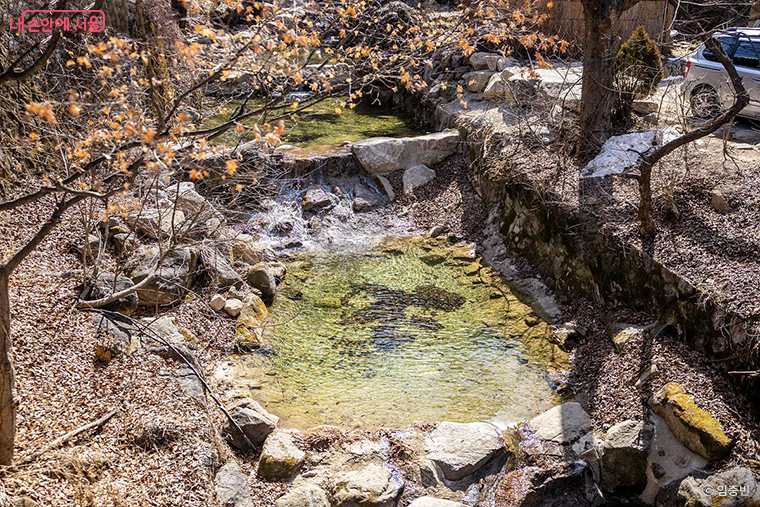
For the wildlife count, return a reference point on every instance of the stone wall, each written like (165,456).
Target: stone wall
(578,257)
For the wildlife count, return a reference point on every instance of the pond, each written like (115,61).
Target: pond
(411,329)
(323,127)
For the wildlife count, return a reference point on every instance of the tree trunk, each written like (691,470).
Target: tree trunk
(645,200)
(598,95)
(7,402)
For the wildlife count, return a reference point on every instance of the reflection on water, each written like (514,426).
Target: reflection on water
(405,331)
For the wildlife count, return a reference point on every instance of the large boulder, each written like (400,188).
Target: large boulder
(624,461)
(460,449)
(385,154)
(308,495)
(257,424)
(172,279)
(217,266)
(280,456)
(562,424)
(693,426)
(735,487)
(107,284)
(371,486)
(417,176)
(232,486)
(261,277)
(478,80)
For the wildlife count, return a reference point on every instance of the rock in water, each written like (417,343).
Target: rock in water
(693,426)
(315,197)
(280,457)
(371,486)
(417,176)
(364,198)
(256,423)
(460,449)
(384,154)
(232,487)
(562,424)
(308,495)
(261,277)
(624,461)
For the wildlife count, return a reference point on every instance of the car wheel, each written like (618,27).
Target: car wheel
(705,103)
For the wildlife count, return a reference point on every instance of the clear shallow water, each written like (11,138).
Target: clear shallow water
(409,330)
(322,129)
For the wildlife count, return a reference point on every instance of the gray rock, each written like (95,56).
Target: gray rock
(308,495)
(261,277)
(217,302)
(384,154)
(429,501)
(385,186)
(719,202)
(232,487)
(496,88)
(568,335)
(477,81)
(280,457)
(106,284)
(624,462)
(364,198)
(196,208)
(315,197)
(646,106)
(173,278)
(520,91)
(158,223)
(460,449)
(217,266)
(417,176)
(115,336)
(737,485)
(438,230)
(257,424)
(371,486)
(562,424)
(479,60)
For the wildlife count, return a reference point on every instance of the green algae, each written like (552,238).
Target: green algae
(321,129)
(380,338)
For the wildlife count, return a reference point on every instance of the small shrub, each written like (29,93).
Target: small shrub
(638,70)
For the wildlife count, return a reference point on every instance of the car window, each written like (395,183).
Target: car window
(746,55)
(728,46)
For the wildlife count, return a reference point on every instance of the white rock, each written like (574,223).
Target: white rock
(280,457)
(429,501)
(562,424)
(232,487)
(217,302)
(417,176)
(460,449)
(233,307)
(371,486)
(308,495)
(384,154)
(496,88)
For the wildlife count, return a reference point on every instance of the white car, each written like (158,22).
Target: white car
(707,85)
